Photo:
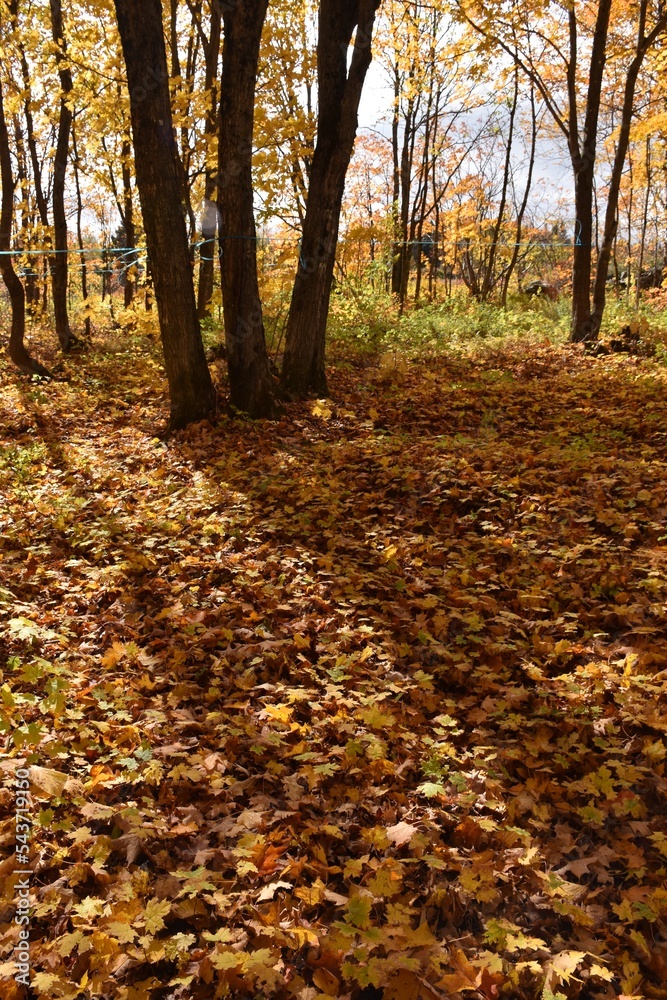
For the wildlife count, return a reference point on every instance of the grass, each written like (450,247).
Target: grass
(371,321)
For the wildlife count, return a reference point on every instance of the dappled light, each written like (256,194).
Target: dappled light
(368,701)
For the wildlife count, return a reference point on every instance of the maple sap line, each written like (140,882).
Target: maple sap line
(142,257)
(122,251)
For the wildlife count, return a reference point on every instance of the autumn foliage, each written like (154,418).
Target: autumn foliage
(369,705)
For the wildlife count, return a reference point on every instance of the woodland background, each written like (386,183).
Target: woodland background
(451,186)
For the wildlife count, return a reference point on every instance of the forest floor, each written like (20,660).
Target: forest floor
(368,702)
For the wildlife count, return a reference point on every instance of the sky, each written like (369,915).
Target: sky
(552,174)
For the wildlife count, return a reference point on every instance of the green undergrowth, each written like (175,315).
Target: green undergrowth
(371,321)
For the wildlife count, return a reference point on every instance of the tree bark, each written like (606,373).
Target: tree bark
(40,197)
(583,155)
(644,222)
(59,264)
(17,349)
(490,277)
(419,211)
(160,193)
(37,291)
(128,226)
(182,87)
(252,388)
(395,281)
(400,276)
(27,223)
(582,327)
(209,222)
(125,206)
(339,95)
(524,203)
(79,235)
(644,42)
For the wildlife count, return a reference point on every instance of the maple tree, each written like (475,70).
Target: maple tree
(640,195)
(17,349)
(160,188)
(285,113)
(211,46)
(450,172)
(424,100)
(339,93)
(18,46)
(59,266)
(368,702)
(461,211)
(251,384)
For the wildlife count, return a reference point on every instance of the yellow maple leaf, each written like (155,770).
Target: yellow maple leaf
(121,932)
(563,965)
(228,959)
(320,408)
(311,895)
(113,656)
(154,914)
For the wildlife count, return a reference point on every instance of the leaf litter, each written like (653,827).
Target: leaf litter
(369,702)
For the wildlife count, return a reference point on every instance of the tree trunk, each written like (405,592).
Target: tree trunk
(396,182)
(490,278)
(524,203)
(630,205)
(430,128)
(582,323)
(403,248)
(40,197)
(182,90)
(27,223)
(125,206)
(644,222)
(210,213)
(644,42)
(79,235)
(17,349)
(159,185)
(339,95)
(252,388)
(583,155)
(59,265)
(401,267)
(128,226)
